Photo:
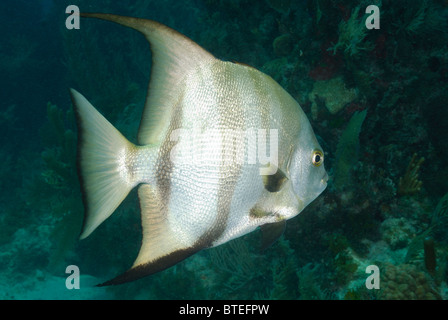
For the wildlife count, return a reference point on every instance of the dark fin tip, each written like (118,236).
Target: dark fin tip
(149,268)
(80,143)
(243,64)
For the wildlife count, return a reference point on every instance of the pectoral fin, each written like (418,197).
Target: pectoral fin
(160,247)
(272,211)
(271,232)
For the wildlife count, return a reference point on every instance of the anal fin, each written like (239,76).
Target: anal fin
(160,248)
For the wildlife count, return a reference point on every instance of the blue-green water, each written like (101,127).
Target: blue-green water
(386,203)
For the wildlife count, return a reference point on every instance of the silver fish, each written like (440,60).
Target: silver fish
(200,180)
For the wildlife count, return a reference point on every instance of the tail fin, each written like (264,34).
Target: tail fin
(102,165)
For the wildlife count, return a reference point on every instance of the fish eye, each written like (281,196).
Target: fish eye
(318,158)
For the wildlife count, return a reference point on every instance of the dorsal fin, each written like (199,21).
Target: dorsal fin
(174,56)
(160,248)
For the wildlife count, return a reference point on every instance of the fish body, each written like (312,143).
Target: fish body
(222,149)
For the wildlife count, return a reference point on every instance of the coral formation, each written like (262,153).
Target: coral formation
(351,35)
(406,282)
(397,232)
(409,183)
(334,94)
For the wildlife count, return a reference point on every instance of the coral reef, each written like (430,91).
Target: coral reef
(406,282)
(334,94)
(409,183)
(344,268)
(397,232)
(351,35)
(378,209)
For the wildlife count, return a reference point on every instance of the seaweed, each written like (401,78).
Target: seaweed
(309,283)
(347,151)
(352,34)
(240,272)
(236,264)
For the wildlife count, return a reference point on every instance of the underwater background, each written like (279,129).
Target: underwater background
(376,98)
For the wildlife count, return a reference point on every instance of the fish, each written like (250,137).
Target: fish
(200,162)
